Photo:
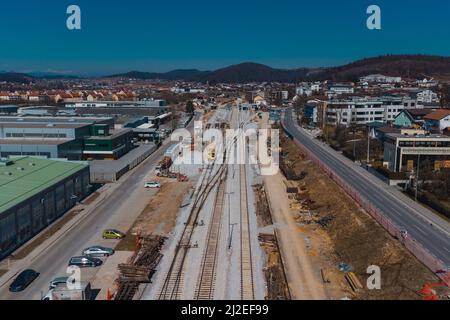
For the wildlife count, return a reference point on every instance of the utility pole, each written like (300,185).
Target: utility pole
(368,146)
(229,219)
(417,176)
(354,145)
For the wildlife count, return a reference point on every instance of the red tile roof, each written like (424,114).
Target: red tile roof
(438,114)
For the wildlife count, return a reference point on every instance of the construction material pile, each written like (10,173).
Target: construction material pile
(277,286)
(141,268)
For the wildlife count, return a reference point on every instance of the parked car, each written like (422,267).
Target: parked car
(113,234)
(23,280)
(98,251)
(49,295)
(59,281)
(85,261)
(153,185)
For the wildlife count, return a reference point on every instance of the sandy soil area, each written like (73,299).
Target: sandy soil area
(354,238)
(160,214)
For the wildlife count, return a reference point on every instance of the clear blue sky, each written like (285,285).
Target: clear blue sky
(150,35)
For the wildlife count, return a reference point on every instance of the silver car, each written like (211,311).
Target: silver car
(98,251)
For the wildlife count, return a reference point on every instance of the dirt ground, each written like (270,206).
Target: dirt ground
(159,216)
(353,237)
(277,284)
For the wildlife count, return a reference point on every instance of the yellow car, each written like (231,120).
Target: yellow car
(113,234)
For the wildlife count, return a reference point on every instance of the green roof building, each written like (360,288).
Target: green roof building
(34,192)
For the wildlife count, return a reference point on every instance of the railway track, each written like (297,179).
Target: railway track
(175,277)
(206,282)
(247,284)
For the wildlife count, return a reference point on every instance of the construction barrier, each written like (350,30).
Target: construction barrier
(427,258)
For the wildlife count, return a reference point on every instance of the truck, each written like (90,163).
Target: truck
(63,292)
(163,165)
(173,151)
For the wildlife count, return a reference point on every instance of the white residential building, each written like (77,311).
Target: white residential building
(315,87)
(379,78)
(364,110)
(339,88)
(304,90)
(427,96)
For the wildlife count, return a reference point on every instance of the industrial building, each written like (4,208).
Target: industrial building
(58,137)
(403,152)
(106,145)
(119,104)
(34,192)
(9,109)
(147,128)
(50,148)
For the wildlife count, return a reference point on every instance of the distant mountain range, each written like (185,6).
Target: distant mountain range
(15,77)
(29,77)
(410,66)
(51,75)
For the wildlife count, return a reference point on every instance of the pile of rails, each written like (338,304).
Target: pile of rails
(141,269)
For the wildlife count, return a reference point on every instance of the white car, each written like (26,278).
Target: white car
(152,185)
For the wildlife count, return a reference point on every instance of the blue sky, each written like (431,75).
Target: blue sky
(158,36)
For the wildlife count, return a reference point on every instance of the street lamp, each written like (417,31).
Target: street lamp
(417,176)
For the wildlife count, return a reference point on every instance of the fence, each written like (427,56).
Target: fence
(427,258)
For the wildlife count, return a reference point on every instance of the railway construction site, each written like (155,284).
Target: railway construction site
(214,252)
(227,232)
(342,240)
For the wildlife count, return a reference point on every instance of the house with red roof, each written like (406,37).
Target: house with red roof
(438,121)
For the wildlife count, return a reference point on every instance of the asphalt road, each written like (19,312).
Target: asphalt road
(424,226)
(52,262)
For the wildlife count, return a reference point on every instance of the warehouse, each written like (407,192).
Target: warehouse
(107,145)
(50,148)
(34,192)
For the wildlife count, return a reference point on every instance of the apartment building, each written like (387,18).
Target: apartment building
(364,110)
